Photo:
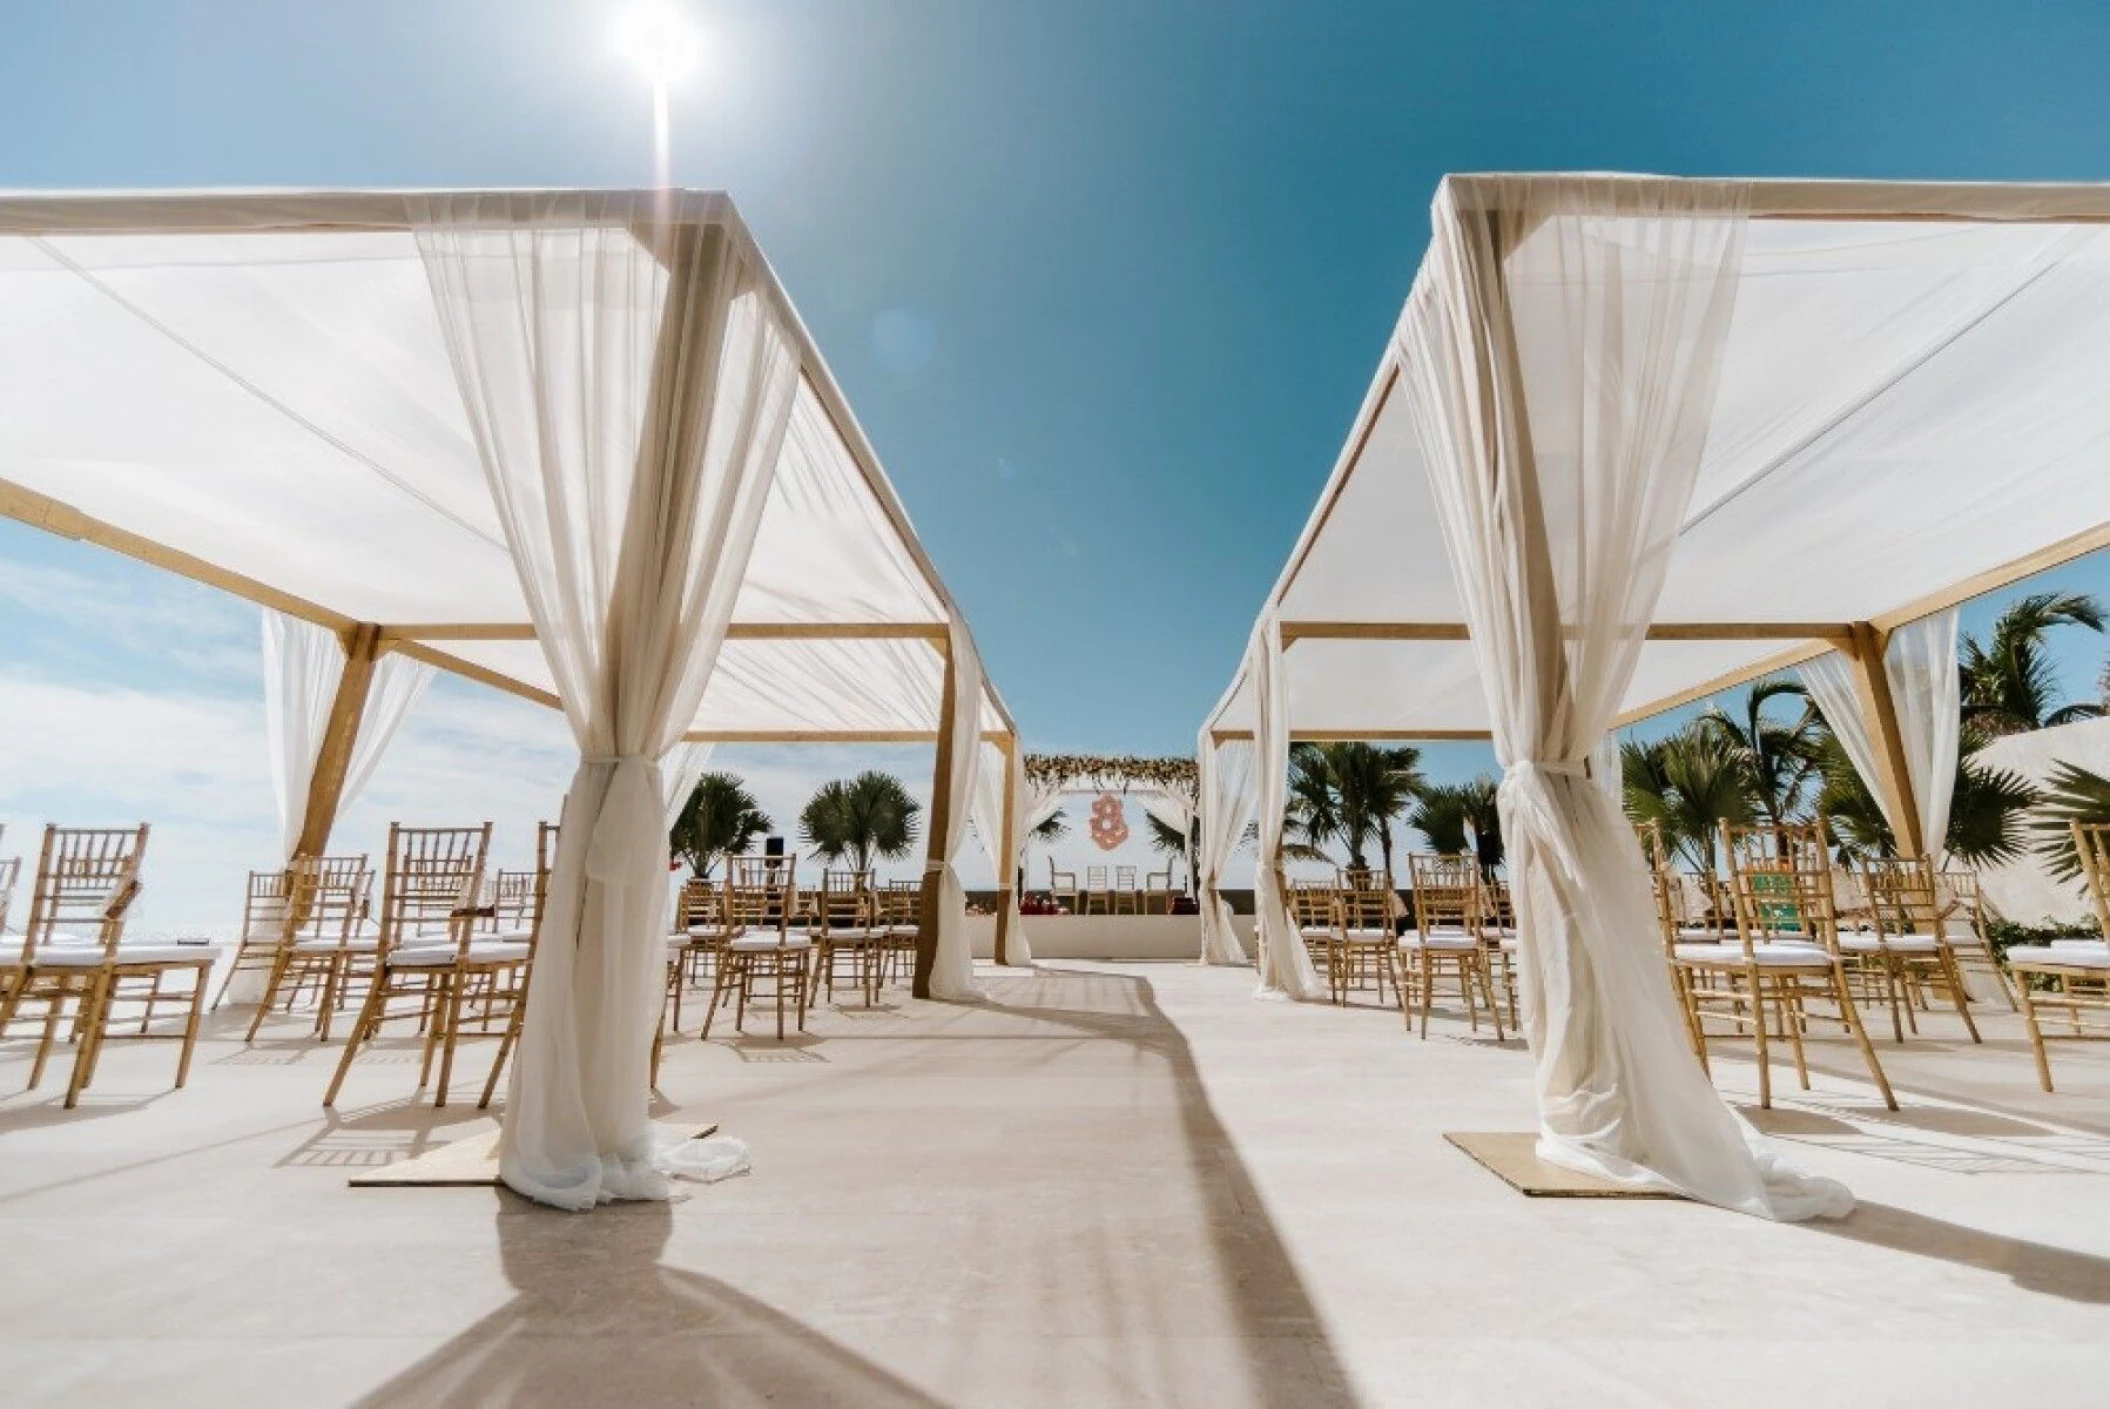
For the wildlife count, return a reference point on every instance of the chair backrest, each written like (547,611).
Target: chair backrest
(433,884)
(1901,895)
(844,904)
(512,900)
(1368,901)
(10,872)
(899,904)
(2091,842)
(1061,882)
(1780,878)
(1663,882)
(1312,904)
(698,905)
(1962,902)
(87,878)
(320,897)
(1447,892)
(1095,878)
(761,890)
(1124,878)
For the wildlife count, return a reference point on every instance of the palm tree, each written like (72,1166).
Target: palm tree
(2074,794)
(1689,783)
(1781,759)
(721,818)
(1986,808)
(2009,684)
(861,819)
(1440,817)
(1483,814)
(1350,793)
(1054,828)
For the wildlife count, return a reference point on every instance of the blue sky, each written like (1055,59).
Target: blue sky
(1105,281)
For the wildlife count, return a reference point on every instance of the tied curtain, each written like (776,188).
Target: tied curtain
(1926,691)
(1560,352)
(628,380)
(952,971)
(997,767)
(1286,970)
(1227,783)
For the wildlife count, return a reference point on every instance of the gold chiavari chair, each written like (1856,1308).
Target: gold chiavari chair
(1963,916)
(72,951)
(1062,886)
(1904,909)
(1157,888)
(1126,894)
(263,930)
(763,959)
(700,931)
(2075,973)
(1499,936)
(1786,950)
(321,945)
(899,919)
(1098,890)
(1446,937)
(10,873)
(1314,908)
(845,927)
(1366,939)
(1671,919)
(538,900)
(428,948)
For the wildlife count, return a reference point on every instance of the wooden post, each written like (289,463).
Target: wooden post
(362,646)
(940,837)
(1893,779)
(1007,851)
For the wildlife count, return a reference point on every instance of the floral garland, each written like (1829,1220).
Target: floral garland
(1113,773)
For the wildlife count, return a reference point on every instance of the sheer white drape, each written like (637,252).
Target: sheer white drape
(952,977)
(1285,966)
(1227,784)
(682,770)
(629,394)
(1560,362)
(995,765)
(1830,680)
(1927,691)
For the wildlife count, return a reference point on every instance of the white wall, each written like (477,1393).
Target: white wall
(2024,890)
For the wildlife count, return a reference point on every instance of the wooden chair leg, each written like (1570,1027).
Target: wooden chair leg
(1868,1051)
(2036,1034)
(1758,1037)
(453,1010)
(94,1016)
(1952,976)
(363,1028)
(505,1049)
(190,1031)
(56,1000)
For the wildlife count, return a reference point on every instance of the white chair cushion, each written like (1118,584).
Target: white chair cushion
(357,944)
(2076,943)
(1369,935)
(1316,932)
(1447,943)
(758,944)
(442,956)
(1774,953)
(2081,954)
(1895,943)
(89,956)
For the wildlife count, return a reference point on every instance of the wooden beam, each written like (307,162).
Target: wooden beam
(939,836)
(1836,631)
(340,736)
(468,670)
(824,736)
(53,516)
(1893,780)
(459,631)
(738,631)
(1007,851)
(2044,559)
(1361,736)
(1728,680)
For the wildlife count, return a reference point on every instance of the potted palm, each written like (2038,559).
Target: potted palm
(861,820)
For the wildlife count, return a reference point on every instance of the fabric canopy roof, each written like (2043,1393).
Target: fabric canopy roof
(1910,412)
(253,389)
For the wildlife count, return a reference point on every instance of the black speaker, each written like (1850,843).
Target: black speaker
(773,846)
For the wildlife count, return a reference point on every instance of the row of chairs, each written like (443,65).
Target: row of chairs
(1461,932)
(757,935)
(1112,890)
(71,967)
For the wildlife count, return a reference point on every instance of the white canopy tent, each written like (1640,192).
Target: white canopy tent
(1638,440)
(577,446)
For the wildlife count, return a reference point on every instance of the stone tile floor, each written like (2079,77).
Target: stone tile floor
(1113,1185)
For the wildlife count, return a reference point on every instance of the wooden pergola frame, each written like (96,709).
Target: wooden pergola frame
(365,642)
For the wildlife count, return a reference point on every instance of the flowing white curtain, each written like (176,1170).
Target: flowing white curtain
(1830,680)
(1927,691)
(998,764)
(1286,969)
(1560,360)
(303,664)
(952,976)
(1173,811)
(683,770)
(628,381)
(1227,784)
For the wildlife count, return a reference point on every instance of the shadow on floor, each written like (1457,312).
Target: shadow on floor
(2036,1267)
(597,1319)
